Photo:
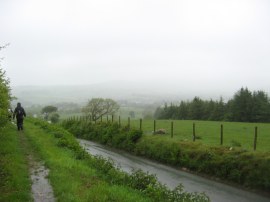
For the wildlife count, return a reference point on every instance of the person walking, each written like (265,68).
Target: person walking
(20,114)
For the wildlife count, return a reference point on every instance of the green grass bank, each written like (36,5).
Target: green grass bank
(74,174)
(71,174)
(93,178)
(15,184)
(232,164)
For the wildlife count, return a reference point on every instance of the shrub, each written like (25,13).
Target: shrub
(235,143)
(235,165)
(5,98)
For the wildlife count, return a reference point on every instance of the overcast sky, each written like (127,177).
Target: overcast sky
(204,44)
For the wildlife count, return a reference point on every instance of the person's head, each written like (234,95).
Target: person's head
(18,104)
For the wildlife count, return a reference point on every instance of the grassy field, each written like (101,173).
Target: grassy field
(208,132)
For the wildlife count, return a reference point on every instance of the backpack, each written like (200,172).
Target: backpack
(20,113)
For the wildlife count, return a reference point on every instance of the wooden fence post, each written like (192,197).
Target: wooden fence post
(255,138)
(119,121)
(194,134)
(112,118)
(107,118)
(154,126)
(140,124)
(221,134)
(101,119)
(172,129)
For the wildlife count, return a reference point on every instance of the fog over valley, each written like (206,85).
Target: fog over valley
(136,51)
(131,92)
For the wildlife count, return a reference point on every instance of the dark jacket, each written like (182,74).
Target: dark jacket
(19,112)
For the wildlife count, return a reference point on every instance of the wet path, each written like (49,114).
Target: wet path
(41,189)
(172,177)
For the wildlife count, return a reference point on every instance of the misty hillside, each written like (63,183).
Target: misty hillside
(30,95)
(140,93)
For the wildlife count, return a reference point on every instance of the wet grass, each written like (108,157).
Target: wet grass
(235,134)
(15,184)
(73,179)
(233,164)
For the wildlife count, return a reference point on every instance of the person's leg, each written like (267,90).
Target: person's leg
(22,125)
(19,124)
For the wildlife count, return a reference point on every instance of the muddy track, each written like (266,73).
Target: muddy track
(41,188)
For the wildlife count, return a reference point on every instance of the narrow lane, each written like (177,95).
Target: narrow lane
(172,177)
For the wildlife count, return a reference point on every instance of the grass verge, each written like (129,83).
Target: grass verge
(73,179)
(15,184)
(77,176)
(249,169)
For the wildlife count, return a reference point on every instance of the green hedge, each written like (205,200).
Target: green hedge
(4,98)
(147,184)
(249,169)
(106,133)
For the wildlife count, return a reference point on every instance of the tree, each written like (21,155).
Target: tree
(5,96)
(242,105)
(218,111)
(196,109)
(98,107)
(183,110)
(48,109)
(159,113)
(261,107)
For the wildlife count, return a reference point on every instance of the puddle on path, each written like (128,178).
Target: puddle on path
(41,188)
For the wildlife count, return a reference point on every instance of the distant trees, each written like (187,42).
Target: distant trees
(245,106)
(50,113)
(98,107)
(250,107)
(261,107)
(48,109)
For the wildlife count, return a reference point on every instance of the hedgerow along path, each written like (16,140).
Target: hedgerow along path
(247,168)
(211,133)
(93,178)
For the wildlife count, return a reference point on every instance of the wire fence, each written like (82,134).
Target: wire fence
(188,130)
